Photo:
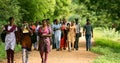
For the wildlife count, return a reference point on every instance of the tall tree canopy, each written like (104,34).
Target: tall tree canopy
(100,12)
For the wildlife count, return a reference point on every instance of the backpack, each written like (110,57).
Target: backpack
(3,34)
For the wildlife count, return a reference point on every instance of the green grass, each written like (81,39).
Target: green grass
(107,45)
(108,49)
(3,52)
(108,54)
(110,58)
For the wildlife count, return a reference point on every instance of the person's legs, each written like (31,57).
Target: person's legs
(41,54)
(8,55)
(53,42)
(24,55)
(46,56)
(56,42)
(61,43)
(35,46)
(12,55)
(69,46)
(87,42)
(76,41)
(72,45)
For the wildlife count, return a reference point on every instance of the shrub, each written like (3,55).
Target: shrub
(108,43)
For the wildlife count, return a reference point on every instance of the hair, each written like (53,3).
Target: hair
(55,20)
(44,20)
(10,19)
(76,19)
(88,20)
(68,24)
(47,19)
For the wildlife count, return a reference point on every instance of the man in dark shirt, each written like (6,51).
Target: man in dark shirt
(88,33)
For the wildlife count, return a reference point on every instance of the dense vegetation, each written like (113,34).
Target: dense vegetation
(107,44)
(101,12)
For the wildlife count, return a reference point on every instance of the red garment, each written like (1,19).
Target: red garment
(33,27)
(63,41)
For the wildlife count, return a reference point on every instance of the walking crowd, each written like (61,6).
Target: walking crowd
(61,35)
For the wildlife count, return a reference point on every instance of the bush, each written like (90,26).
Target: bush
(106,33)
(108,43)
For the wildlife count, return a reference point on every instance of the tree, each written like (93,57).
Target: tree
(9,8)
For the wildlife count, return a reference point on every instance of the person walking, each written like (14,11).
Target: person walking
(57,34)
(37,32)
(10,39)
(78,33)
(71,36)
(44,44)
(33,36)
(25,41)
(62,43)
(88,33)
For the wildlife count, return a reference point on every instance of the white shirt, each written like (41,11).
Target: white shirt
(10,39)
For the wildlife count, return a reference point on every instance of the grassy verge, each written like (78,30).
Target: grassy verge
(109,50)
(3,52)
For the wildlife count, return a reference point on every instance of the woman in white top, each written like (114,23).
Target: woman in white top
(10,39)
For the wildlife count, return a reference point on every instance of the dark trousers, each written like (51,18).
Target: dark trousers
(10,55)
(88,41)
(53,42)
(76,41)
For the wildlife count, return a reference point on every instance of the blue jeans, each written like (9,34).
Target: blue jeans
(88,41)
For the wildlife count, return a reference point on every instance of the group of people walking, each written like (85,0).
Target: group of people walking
(61,35)
(65,34)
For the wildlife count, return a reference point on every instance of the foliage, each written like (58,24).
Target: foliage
(109,49)
(107,42)
(107,33)
(99,12)
(38,9)
(9,8)
(109,55)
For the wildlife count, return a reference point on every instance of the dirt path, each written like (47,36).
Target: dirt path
(80,56)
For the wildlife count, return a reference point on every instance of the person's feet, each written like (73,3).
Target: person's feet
(64,48)
(35,48)
(58,50)
(77,49)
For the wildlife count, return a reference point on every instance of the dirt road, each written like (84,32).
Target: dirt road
(80,56)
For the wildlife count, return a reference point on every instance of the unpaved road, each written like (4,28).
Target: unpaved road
(80,56)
